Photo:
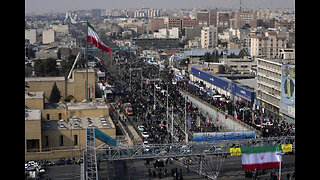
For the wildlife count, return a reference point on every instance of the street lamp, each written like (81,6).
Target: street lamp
(280,154)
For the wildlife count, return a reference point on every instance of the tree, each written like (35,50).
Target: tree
(55,94)
(47,67)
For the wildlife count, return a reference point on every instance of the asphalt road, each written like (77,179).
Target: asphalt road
(136,169)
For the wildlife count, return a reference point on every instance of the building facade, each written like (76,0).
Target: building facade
(268,45)
(209,37)
(48,36)
(245,17)
(270,82)
(74,86)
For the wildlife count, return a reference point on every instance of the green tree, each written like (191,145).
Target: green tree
(55,94)
(47,67)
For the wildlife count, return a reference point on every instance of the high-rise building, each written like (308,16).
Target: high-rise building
(156,24)
(203,18)
(182,23)
(223,21)
(30,34)
(48,36)
(242,18)
(209,37)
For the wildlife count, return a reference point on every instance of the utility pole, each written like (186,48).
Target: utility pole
(185,118)
(172,122)
(86,57)
(167,107)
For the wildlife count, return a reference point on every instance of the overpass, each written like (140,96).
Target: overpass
(112,151)
(183,149)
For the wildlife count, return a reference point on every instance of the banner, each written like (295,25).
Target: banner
(198,121)
(235,151)
(288,91)
(286,147)
(217,136)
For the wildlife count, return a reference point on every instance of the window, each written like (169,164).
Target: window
(48,116)
(75,140)
(60,116)
(47,141)
(61,140)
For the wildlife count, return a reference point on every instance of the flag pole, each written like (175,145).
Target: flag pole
(86,58)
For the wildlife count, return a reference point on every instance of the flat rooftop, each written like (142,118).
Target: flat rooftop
(34,95)
(76,105)
(75,123)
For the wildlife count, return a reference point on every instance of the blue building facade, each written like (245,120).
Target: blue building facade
(224,84)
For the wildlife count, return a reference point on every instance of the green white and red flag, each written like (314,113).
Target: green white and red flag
(95,39)
(261,157)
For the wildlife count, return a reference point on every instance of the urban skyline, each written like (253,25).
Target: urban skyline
(58,6)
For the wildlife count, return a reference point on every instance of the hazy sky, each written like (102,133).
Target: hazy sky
(41,6)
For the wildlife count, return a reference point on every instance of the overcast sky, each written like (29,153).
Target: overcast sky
(42,6)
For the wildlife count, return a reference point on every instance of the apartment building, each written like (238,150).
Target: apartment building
(269,77)
(268,45)
(209,37)
(245,17)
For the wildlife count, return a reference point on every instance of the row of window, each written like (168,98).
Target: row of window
(61,142)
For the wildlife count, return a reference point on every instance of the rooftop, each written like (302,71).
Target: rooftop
(34,95)
(76,105)
(78,123)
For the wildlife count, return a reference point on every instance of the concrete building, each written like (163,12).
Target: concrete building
(269,79)
(48,36)
(182,23)
(242,66)
(245,17)
(60,29)
(74,86)
(268,45)
(44,54)
(58,130)
(203,18)
(156,24)
(209,37)
(30,34)
(223,21)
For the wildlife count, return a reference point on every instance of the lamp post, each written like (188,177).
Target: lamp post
(280,154)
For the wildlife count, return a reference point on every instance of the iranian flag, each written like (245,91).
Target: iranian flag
(261,157)
(94,38)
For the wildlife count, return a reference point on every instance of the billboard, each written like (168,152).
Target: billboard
(288,90)
(217,136)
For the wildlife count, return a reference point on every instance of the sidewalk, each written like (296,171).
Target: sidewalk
(228,123)
(130,130)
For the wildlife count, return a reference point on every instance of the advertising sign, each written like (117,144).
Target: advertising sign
(288,91)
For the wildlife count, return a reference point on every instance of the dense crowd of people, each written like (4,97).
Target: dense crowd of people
(149,103)
(269,125)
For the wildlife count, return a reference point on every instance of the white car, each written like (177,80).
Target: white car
(141,128)
(145,134)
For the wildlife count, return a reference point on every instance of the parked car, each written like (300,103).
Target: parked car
(145,134)
(61,162)
(141,128)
